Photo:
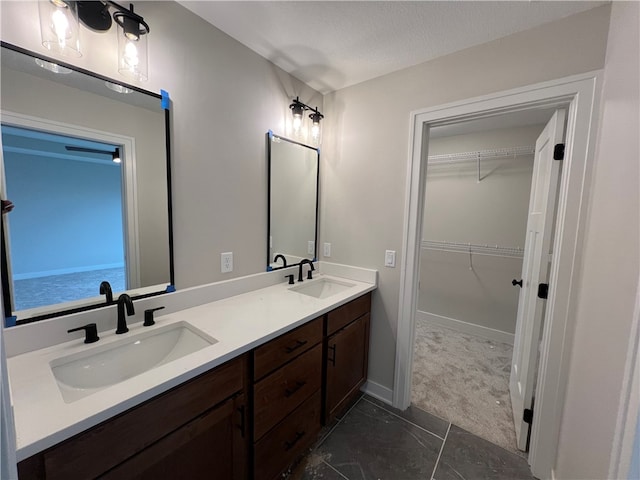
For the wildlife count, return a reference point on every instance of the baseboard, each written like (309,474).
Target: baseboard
(378,391)
(466,327)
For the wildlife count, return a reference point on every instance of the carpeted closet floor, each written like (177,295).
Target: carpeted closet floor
(465,380)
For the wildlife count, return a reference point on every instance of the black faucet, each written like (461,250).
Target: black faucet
(309,277)
(284,260)
(123,300)
(105,289)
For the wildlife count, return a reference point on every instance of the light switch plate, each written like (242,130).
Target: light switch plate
(311,247)
(327,249)
(226,262)
(390,258)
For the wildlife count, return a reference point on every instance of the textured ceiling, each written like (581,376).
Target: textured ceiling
(332,44)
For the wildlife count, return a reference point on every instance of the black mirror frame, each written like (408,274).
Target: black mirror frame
(10,319)
(269,137)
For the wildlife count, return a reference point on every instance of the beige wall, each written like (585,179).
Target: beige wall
(366,138)
(458,208)
(610,265)
(225,98)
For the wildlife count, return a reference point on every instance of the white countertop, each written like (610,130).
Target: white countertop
(238,323)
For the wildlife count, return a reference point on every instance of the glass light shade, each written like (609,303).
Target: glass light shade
(132,56)
(315,130)
(59,27)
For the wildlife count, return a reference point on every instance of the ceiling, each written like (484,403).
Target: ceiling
(330,45)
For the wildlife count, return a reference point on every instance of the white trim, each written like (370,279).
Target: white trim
(466,327)
(378,391)
(579,91)
(130,196)
(629,410)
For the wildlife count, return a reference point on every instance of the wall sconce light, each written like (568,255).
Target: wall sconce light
(59,29)
(297,109)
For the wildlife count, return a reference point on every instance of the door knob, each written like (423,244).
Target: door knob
(515,282)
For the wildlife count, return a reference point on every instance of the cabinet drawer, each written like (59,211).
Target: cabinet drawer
(345,314)
(288,439)
(277,352)
(278,394)
(95,451)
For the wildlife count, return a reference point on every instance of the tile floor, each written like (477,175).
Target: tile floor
(373,441)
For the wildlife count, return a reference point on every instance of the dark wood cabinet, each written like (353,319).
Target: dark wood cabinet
(192,413)
(211,446)
(286,402)
(347,357)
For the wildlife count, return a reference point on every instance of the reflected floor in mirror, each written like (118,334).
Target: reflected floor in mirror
(53,289)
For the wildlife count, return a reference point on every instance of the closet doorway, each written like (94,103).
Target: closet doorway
(476,205)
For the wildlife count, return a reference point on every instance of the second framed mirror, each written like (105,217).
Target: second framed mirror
(293,201)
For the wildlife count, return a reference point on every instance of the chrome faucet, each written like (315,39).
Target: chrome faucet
(124,300)
(284,260)
(309,277)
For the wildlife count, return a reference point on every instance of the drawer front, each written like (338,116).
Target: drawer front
(104,446)
(287,440)
(278,394)
(346,314)
(277,352)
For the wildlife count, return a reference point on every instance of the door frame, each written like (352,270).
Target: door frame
(129,182)
(579,94)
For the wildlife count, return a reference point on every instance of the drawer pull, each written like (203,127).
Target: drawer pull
(288,445)
(290,391)
(299,343)
(332,359)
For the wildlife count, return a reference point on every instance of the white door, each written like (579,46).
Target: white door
(535,267)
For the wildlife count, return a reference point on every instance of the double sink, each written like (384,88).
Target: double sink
(84,373)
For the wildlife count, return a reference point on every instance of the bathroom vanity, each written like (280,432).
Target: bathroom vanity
(282,364)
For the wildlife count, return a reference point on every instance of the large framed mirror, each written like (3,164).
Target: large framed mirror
(86,166)
(294,170)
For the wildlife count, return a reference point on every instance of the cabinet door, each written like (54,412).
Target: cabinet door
(211,446)
(347,359)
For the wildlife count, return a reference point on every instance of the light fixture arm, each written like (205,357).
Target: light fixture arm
(301,107)
(95,15)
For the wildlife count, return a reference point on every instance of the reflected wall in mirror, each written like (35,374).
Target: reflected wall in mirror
(80,217)
(293,201)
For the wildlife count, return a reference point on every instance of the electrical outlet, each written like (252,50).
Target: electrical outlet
(327,249)
(226,262)
(390,258)
(311,247)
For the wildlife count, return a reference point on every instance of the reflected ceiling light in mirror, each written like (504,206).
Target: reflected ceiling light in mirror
(59,27)
(52,67)
(115,156)
(297,110)
(118,88)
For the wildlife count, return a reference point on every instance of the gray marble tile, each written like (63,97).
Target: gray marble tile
(371,443)
(313,467)
(468,457)
(416,416)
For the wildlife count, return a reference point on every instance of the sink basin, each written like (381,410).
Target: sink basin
(322,287)
(84,373)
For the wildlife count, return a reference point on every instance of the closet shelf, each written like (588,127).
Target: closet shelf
(475,249)
(449,158)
